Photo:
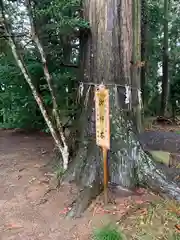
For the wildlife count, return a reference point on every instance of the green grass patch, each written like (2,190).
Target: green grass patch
(108,233)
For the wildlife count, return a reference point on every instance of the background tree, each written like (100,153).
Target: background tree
(144,46)
(136,63)
(165,79)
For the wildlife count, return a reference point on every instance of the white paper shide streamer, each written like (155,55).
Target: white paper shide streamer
(139,98)
(102,85)
(81,89)
(127,94)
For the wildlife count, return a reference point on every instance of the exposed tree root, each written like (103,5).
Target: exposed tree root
(150,175)
(84,200)
(161,183)
(129,165)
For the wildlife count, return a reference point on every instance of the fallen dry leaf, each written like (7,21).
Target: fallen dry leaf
(141,190)
(13,226)
(37,165)
(22,169)
(143,211)
(102,210)
(177,226)
(177,177)
(139,201)
(65,211)
(174,210)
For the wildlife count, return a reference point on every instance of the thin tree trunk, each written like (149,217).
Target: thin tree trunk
(136,64)
(144,42)
(50,85)
(107,59)
(37,97)
(67,51)
(165,78)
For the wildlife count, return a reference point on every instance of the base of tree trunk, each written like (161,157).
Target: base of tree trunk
(129,165)
(89,174)
(160,181)
(84,199)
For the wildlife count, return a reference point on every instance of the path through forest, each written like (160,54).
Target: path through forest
(30,206)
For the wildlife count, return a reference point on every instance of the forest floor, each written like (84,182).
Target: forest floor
(31,208)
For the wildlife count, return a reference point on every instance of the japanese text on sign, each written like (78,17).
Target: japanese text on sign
(102,117)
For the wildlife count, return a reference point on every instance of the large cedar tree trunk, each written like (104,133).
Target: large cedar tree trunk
(108,59)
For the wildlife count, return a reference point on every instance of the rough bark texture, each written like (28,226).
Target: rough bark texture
(136,64)
(64,149)
(144,42)
(165,77)
(108,56)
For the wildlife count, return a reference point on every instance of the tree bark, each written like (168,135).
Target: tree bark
(37,97)
(144,42)
(136,64)
(165,77)
(65,153)
(107,59)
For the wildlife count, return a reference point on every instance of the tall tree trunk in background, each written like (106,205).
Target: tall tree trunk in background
(144,41)
(165,77)
(136,63)
(67,51)
(108,53)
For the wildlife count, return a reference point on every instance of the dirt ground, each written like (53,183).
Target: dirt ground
(27,210)
(30,206)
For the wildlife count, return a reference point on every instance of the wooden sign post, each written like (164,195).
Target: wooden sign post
(103,129)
